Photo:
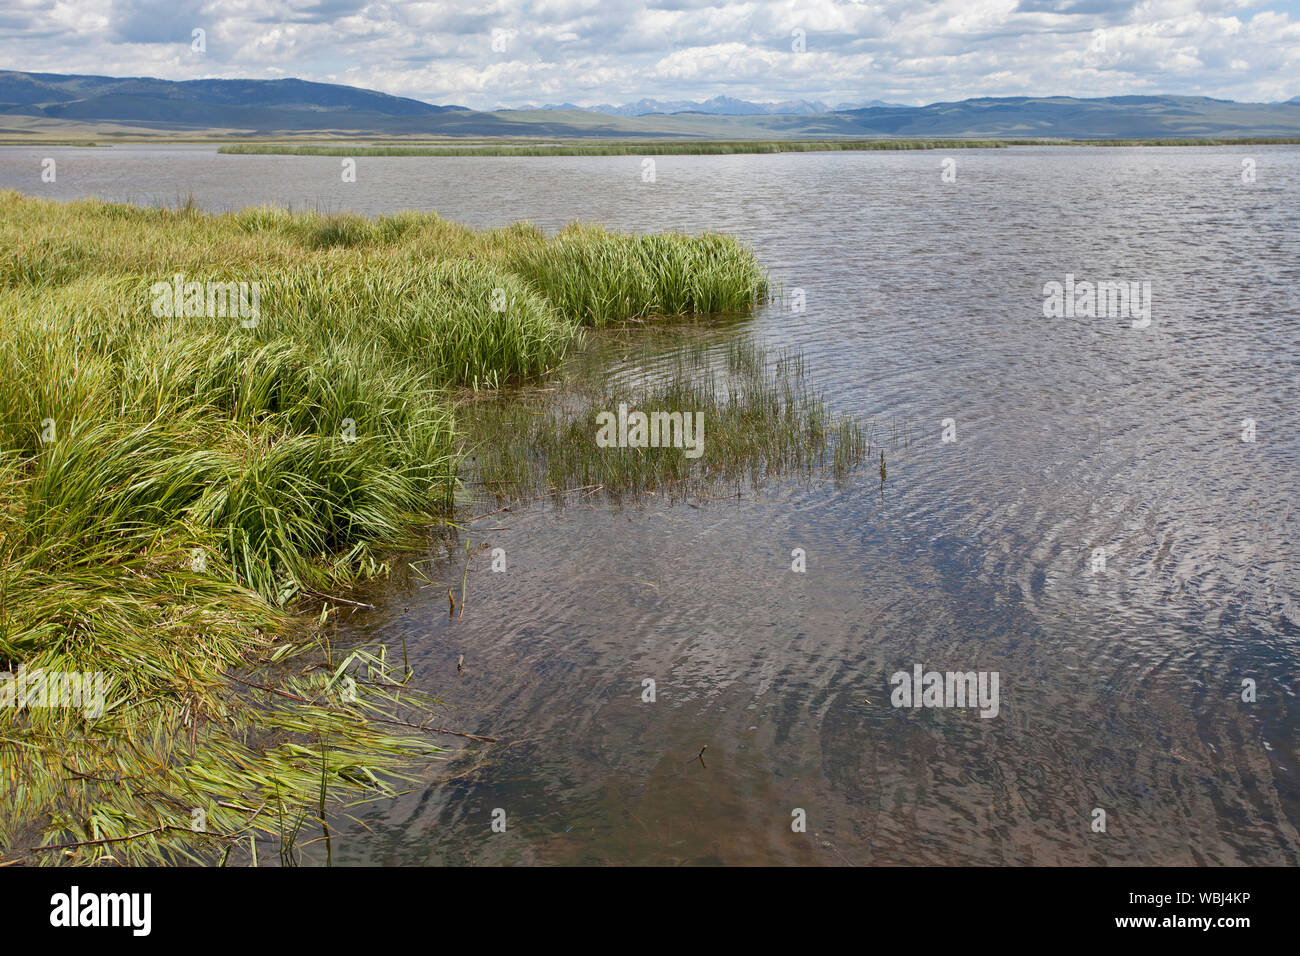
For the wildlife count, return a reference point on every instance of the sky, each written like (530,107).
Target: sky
(514,52)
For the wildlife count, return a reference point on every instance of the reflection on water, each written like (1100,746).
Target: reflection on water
(1121,686)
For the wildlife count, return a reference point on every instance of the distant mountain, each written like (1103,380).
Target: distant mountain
(718,106)
(1015,117)
(85,97)
(865,104)
(35,102)
(1110,117)
(253,106)
(246,106)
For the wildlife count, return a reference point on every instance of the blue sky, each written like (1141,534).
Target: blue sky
(509,52)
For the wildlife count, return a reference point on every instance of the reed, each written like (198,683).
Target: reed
(639,148)
(178,490)
(37,140)
(762,420)
(1192,141)
(686,147)
(601,278)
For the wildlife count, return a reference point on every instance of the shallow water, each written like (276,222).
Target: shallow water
(1120,687)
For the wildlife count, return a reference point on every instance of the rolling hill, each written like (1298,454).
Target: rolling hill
(33,103)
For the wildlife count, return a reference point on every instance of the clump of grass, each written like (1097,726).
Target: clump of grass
(176,490)
(603,278)
(341,229)
(761,419)
(46,261)
(476,324)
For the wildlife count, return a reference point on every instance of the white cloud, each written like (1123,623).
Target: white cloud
(591,51)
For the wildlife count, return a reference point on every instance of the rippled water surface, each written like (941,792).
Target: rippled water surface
(1120,687)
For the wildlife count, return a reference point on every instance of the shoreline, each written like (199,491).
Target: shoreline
(314,144)
(179,489)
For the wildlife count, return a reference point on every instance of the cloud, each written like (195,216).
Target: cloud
(155,21)
(593,51)
(1112,8)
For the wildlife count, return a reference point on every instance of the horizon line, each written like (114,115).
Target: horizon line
(809,98)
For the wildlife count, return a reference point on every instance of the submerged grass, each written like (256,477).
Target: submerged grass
(175,487)
(753,416)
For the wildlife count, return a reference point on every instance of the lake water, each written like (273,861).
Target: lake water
(1101,533)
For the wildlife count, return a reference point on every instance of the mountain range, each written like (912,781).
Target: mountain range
(51,103)
(718,106)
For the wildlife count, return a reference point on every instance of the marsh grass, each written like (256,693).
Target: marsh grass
(1191,141)
(621,277)
(682,147)
(176,491)
(762,420)
(640,148)
(38,141)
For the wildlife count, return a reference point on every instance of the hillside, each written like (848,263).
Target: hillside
(34,103)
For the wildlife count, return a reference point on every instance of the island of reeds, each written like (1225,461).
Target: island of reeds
(639,148)
(706,147)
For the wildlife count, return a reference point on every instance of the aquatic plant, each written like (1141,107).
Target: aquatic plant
(186,470)
(750,415)
(683,147)
(597,148)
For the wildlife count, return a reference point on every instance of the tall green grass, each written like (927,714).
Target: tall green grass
(175,489)
(618,277)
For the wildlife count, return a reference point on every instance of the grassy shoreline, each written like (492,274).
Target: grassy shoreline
(181,480)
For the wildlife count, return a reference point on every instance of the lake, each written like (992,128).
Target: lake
(1098,508)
